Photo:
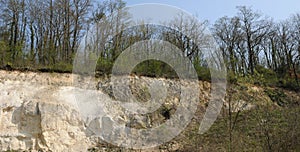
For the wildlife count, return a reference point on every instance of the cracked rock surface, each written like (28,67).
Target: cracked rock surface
(39,112)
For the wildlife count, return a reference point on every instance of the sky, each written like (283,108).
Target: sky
(211,10)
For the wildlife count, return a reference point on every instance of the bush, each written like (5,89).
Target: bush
(289,84)
(104,66)
(155,68)
(60,67)
(262,77)
(232,78)
(203,73)
(267,76)
(277,96)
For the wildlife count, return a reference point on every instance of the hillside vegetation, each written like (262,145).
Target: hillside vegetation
(45,36)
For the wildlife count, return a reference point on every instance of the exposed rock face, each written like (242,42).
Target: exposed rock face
(38,111)
(42,126)
(32,119)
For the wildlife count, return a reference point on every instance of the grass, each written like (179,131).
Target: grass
(262,129)
(272,125)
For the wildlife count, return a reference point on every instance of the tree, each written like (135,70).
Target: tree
(13,13)
(254,29)
(227,32)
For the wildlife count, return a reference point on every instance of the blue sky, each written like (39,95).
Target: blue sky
(211,10)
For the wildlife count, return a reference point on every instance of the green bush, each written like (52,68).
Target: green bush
(60,67)
(155,68)
(266,76)
(262,77)
(203,73)
(104,65)
(289,84)
(232,78)
(277,96)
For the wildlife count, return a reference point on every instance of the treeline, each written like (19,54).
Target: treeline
(253,44)
(45,34)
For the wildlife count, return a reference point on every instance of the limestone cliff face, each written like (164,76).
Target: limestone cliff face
(31,118)
(42,126)
(38,111)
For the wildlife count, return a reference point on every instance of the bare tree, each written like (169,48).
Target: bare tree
(227,31)
(188,35)
(13,13)
(254,28)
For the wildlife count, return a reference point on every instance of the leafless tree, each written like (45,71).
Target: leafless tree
(254,29)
